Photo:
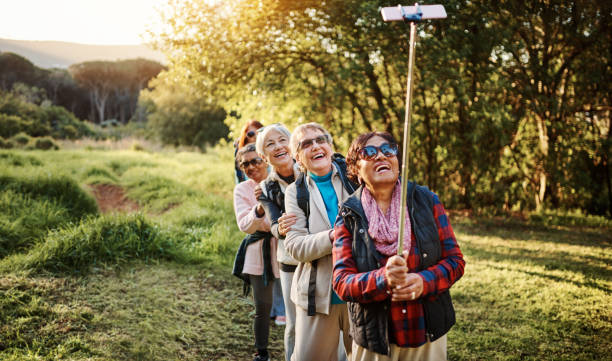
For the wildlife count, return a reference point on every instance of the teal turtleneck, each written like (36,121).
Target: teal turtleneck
(328,193)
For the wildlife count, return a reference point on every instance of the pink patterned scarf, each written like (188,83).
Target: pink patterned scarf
(383,228)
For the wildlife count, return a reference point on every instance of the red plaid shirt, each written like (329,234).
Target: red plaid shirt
(406,318)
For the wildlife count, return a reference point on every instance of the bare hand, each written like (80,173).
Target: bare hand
(409,291)
(260,211)
(285,222)
(396,271)
(258,192)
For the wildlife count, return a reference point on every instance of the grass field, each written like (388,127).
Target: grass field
(76,284)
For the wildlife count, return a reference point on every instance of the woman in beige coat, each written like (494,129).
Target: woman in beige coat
(320,314)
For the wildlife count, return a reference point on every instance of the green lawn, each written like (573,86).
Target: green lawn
(78,285)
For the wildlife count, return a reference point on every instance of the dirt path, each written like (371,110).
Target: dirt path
(111,198)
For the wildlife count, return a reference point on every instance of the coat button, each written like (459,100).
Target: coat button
(361,230)
(424,255)
(404,310)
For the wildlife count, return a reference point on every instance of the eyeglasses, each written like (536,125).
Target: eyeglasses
(255,161)
(307,143)
(250,134)
(370,152)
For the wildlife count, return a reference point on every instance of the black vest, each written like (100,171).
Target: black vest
(370,321)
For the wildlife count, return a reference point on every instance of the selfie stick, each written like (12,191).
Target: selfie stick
(412,15)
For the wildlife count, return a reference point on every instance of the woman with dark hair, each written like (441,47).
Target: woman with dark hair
(248,135)
(255,260)
(399,306)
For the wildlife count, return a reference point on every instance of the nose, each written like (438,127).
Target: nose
(315,146)
(379,154)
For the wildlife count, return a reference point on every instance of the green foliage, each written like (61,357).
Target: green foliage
(10,125)
(39,184)
(24,220)
(157,192)
(575,218)
(22,139)
(177,116)
(509,109)
(6,143)
(32,203)
(19,116)
(100,175)
(19,160)
(114,85)
(96,241)
(45,143)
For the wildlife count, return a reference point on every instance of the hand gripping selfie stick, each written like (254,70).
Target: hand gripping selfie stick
(411,14)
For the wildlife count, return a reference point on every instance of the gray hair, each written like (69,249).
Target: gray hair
(244,150)
(263,133)
(298,132)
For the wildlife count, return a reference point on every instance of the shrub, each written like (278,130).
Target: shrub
(22,139)
(10,125)
(64,124)
(96,241)
(45,143)
(137,147)
(17,115)
(6,143)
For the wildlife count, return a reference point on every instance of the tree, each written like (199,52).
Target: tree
(178,117)
(504,90)
(114,86)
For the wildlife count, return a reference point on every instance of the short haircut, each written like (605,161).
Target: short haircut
(298,132)
(244,150)
(263,133)
(352,157)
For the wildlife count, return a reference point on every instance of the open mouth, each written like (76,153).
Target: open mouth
(380,168)
(318,156)
(280,155)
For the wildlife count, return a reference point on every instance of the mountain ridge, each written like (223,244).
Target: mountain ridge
(61,54)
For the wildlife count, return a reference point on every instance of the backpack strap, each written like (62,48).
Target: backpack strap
(303,200)
(339,160)
(302,195)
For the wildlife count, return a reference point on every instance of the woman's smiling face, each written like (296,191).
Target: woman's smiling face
(276,150)
(379,170)
(315,152)
(254,169)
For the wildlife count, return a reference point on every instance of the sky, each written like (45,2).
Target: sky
(117,22)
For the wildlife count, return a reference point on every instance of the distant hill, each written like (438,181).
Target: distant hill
(59,54)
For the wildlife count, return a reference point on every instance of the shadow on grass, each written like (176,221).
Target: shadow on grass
(589,283)
(523,231)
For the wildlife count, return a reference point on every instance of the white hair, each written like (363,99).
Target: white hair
(263,133)
(298,133)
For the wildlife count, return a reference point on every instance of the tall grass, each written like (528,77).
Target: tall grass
(43,185)
(96,242)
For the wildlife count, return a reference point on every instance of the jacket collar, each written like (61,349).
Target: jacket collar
(275,177)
